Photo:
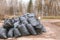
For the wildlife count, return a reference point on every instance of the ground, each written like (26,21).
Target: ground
(52,32)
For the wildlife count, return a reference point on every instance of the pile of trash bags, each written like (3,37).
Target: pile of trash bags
(24,25)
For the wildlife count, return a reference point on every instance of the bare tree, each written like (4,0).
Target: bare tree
(29,10)
(20,7)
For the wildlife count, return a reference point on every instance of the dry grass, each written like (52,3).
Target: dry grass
(51,17)
(7,16)
(2,17)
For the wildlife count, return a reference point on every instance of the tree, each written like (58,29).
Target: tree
(29,10)
(20,7)
(38,7)
(11,10)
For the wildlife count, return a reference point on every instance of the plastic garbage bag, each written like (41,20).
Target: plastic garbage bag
(16,24)
(3,33)
(8,24)
(23,20)
(10,33)
(16,19)
(31,29)
(26,15)
(33,21)
(22,28)
(16,33)
(40,28)
(31,15)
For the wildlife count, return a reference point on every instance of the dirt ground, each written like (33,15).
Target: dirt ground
(57,23)
(52,32)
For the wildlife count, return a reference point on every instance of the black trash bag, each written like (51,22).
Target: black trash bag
(26,15)
(39,29)
(31,15)
(16,24)
(3,33)
(23,20)
(33,21)
(31,29)
(8,24)
(15,19)
(16,33)
(43,28)
(22,28)
(10,33)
